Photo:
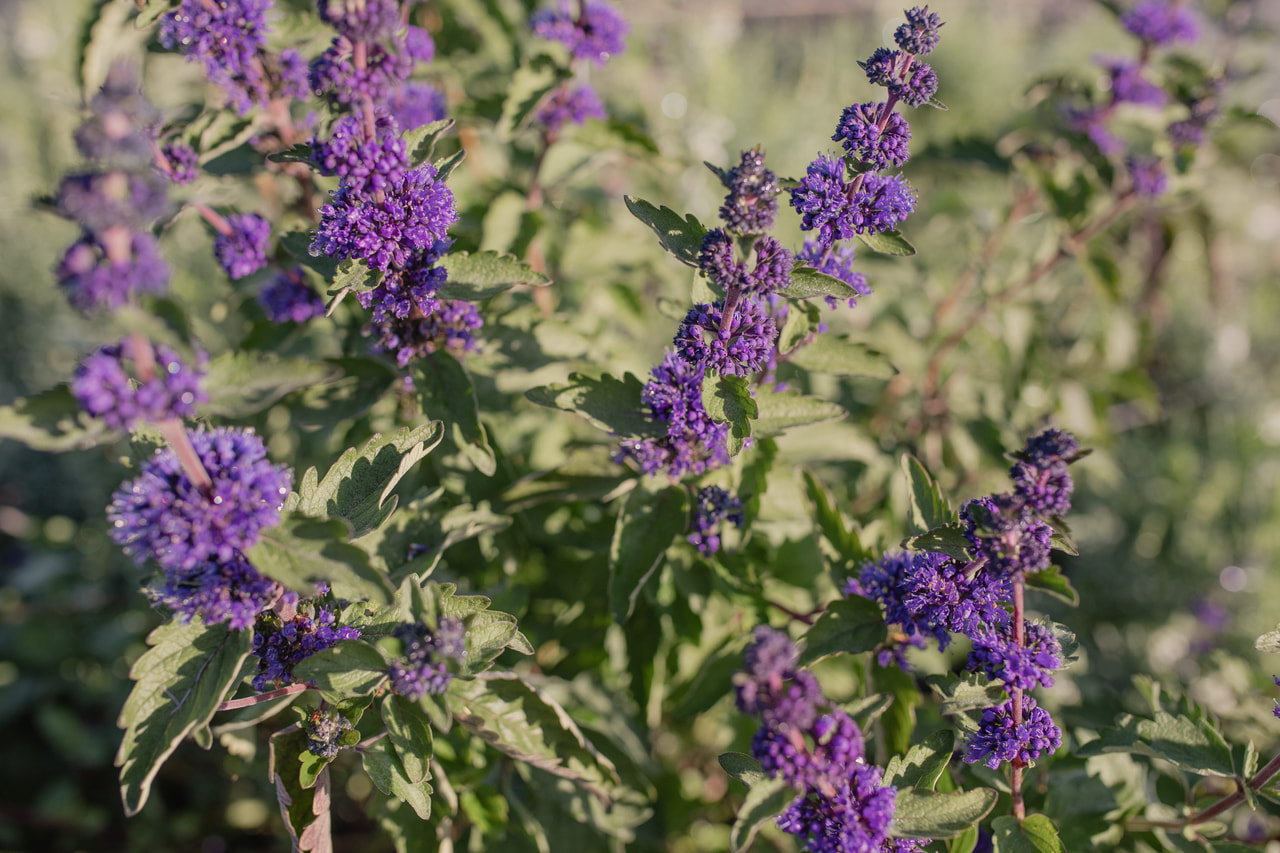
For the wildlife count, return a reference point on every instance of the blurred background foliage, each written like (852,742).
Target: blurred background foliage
(1157,344)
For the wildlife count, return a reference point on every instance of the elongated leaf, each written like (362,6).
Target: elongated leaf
(849,626)
(888,243)
(929,507)
(652,517)
(298,244)
(410,733)
(830,522)
(489,632)
(420,143)
(483,275)
(922,766)
(530,83)
(385,770)
(300,153)
(1035,834)
(782,411)
(242,383)
(1192,745)
(51,421)
(300,552)
(841,357)
(521,721)
(806,283)
(444,390)
(681,237)
(609,403)
(747,770)
(445,167)
(727,399)
(351,668)
(180,681)
(967,693)
(358,486)
(305,809)
(948,539)
(925,814)
(763,803)
(150,13)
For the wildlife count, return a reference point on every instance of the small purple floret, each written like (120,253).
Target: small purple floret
(570,104)
(860,134)
(1000,739)
(919,35)
(243,251)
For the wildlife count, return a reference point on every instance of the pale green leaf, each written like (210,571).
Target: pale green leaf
(652,517)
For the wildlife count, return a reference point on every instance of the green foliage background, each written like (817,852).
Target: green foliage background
(1158,347)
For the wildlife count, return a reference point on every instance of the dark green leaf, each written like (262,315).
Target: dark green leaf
(489,632)
(385,770)
(311,766)
(899,721)
(722,174)
(929,508)
(924,814)
(357,488)
(841,357)
(444,390)
(420,143)
(806,283)
(830,521)
(849,626)
(611,404)
(1054,583)
(968,693)
(410,731)
(298,244)
(728,399)
(300,552)
(241,383)
(477,276)
(351,668)
(888,243)
(651,519)
(1035,834)
(681,237)
(351,276)
(445,167)
(923,764)
(180,681)
(300,153)
(1192,745)
(51,421)
(763,803)
(780,412)
(948,539)
(965,842)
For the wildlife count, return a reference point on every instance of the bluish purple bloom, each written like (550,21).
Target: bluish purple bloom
(1002,530)
(694,443)
(334,75)
(859,131)
(718,261)
(325,731)
(1052,445)
(116,133)
(361,19)
(1024,667)
(282,640)
(1092,123)
(1160,23)
(451,326)
(1128,85)
(243,251)
(366,166)
(740,350)
(101,201)
(423,669)
(163,515)
(881,204)
(712,508)
(837,262)
(183,161)
(410,292)
(822,200)
(293,75)
(569,104)
(288,298)
(94,281)
(1148,176)
(907,79)
(419,44)
(1186,133)
(595,36)
(413,105)
(413,214)
(230,590)
(768,660)
(121,397)
(1000,739)
(772,271)
(919,35)
(855,818)
(752,203)
(228,37)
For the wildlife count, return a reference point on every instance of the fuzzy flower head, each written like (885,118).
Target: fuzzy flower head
(94,278)
(852,818)
(100,201)
(751,205)
(1000,738)
(694,444)
(919,35)
(1025,666)
(214,591)
(227,36)
(163,515)
(450,326)
(361,19)
(411,292)
(1002,529)
(881,204)
(1160,23)
(424,667)
(822,200)
(907,79)
(1129,86)
(282,640)
(414,105)
(1148,176)
(288,298)
(112,384)
(712,507)
(741,349)
(365,166)
(327,732)
(183,161)
(594,36)
(335,76)
(116,131)
(860,133)
(243,251)
(567,104)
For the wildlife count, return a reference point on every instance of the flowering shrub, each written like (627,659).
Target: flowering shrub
(411,521)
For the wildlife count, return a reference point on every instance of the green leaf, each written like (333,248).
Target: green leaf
(1054,583)
(477,276)
(609,403)
(806,283)
(410,733)
(743,767)
(420,143)
(849,626)
(1269,642)
(445,167)
(1192,745)
(298,244)
(357,488)
(797,327)
(385,770)
(681,237)
(489,632)
(921,767)
(925,814)
(151,12)
(765,800)
(841,357)
(242,383)
(300,153)
(929,508)
(351,276)
(651,519)
(299,552)
(965,842)
(888,243)
(1035,834)
(522,722)
(305,809)
(51,421)
(727,399)
(830,521)
(780,412)
(180,681)
(899,721)
(444,390)
(351,668)
(965,693)
(530,83)
(948,539)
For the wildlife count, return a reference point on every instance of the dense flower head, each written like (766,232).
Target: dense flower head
(1162,22)
(853,818)
(410,292)
(910,81)
(326,732)
(243,251)
(768,659)
(595,35)
(569,104)
(1000,738)
(772,270)
(93,280)
(1052,445)
(930,594)
(1024,667)
(1002,530)
(334,75)
(413,105)
(1128,85)
(919,35)
(227,36)
(288,298)
(718,261)
(413,213)
(419,44)
(860,133)
(450,326)
(752,203)
(423,668)
(712,507)
(281,641)
(231,591)
(163,515)
(293,75)
(822,200)
(694,444)
(183,161)
(116,131)
(366,166)
(99,201)
(1148,176)
(165,388)
(837,262)
(741,349)
(881,204)
(361,19)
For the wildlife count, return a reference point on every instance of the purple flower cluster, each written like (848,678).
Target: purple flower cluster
(817,748)
(424,669)
(863,138)
(1027,666)
(242,250)
(919,35)
(712,507)
(740,349)
(117,131)
(327,732)
(158,388)
(414,105)
(837,262)
(1161,23)
(182,160)
(907,79)
(569,104)
(229,590)
(366,166)
(595,35)
(694,444)
(351,72)
(451,326)
(1001,738)
(361,19)
(107,270)
(838,209)
(292,631)
(752,203)
(288,298)
(229,37)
